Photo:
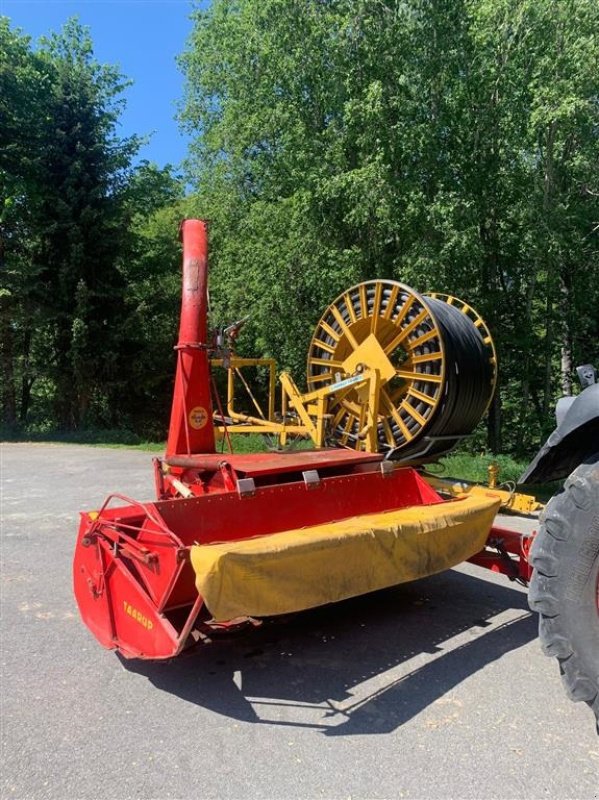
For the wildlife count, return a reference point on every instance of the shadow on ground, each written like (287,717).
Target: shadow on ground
(342,664)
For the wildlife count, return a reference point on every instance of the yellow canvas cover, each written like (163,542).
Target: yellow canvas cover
(299,569)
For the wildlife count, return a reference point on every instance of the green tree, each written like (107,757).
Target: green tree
(83,172)
(90,272)
(450,145)
(24,84)
(150,267)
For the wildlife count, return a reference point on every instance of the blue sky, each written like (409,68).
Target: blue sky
(143,37)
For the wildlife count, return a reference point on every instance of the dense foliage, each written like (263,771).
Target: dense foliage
(87,244)
(450,144)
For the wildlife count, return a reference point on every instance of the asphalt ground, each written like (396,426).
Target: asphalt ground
(435,689)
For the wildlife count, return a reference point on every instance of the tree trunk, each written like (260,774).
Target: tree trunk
(566,367)
(494,424)
(26,379)
(547,394)
(566,348)
(9,404)
(548,190)
(65,396)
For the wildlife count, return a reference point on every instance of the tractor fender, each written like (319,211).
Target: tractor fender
(575,439)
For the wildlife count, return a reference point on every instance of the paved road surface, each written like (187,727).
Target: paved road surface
(435,689)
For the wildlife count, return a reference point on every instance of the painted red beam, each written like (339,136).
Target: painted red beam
(507,553)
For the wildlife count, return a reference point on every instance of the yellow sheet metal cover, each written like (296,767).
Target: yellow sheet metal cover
(307,567)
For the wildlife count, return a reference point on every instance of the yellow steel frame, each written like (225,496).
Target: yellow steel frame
(370,336)
(311,408)
(510,501)
(357,397)
(233,366)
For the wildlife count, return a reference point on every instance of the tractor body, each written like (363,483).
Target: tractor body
(575,439)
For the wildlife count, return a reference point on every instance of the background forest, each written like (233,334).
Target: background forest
(449,144)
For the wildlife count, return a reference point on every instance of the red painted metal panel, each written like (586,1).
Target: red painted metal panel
(115,602)
(226,516)
(257,464)
(507,552)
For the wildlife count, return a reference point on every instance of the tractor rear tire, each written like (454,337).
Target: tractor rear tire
(564,585)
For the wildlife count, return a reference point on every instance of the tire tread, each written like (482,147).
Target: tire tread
(547,556)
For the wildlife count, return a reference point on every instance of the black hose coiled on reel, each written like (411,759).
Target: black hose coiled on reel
(467,390)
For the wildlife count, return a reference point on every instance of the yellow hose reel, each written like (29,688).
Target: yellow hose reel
(435,358)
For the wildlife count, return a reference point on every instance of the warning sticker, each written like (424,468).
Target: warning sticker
(198,417)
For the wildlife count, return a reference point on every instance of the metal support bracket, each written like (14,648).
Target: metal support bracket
(246,487)
(387,469)
(311,478)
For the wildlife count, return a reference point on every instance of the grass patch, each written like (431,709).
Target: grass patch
(475,468)
(92,437)
(250,443)
(462,466)
(256,443)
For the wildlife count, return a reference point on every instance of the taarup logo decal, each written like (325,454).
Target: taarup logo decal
(137,615)
(198,417)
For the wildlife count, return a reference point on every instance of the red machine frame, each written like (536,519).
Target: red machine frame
(132,570)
